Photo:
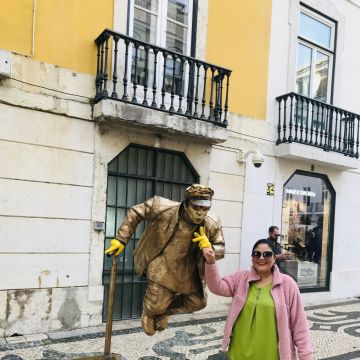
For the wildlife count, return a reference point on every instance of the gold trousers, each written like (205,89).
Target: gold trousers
(160,300)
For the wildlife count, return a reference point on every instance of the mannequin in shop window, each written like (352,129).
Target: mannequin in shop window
(313,242)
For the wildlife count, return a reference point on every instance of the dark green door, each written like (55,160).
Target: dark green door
(135,175)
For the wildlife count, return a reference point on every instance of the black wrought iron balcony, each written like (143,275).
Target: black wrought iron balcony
(311,122)
(140,73)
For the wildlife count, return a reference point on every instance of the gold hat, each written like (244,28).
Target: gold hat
(199,194)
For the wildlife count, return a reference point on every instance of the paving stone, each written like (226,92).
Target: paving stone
(15,339)
(35,337)
(334,329)
(2,341)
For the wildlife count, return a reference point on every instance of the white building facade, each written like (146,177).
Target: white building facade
(70,166)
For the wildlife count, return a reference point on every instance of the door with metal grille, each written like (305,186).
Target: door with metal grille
(137,174)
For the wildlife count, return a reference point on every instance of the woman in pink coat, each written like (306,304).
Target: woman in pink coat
(266,318)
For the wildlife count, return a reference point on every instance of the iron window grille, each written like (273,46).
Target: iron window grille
(137,174)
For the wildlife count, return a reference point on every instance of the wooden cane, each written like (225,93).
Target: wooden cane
(107,350)
(112,287)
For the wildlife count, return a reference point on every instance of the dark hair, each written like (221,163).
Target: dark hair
(272,228)
(263,241)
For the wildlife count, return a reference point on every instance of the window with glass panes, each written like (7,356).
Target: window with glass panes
(135,175)
(165,23)
(315,58)
(307,229)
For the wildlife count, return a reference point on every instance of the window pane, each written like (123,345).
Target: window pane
(151,5)
(177,167)
(177,76)
(111,191)
(306,230)
(145,30)
(121,191)
(321,76)
(303,73)
(178,10)
(160,165)
(144,26)
(315,31)
(133,158)
(141,68)
(110,222)
(176,36)
(142,159)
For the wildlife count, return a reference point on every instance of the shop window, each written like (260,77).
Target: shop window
(307,228)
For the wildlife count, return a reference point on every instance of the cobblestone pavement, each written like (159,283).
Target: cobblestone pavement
(335,332)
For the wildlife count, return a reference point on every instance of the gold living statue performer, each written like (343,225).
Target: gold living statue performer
(170,252)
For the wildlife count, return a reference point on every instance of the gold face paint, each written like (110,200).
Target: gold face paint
(195,214)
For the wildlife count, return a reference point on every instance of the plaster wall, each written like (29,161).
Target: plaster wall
(239,40)
(46,179)
(57,32)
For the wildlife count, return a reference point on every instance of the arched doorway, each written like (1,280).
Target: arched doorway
(137,174)
(307,229)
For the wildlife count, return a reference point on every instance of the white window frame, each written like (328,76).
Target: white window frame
(318,48)
(162,23)
(161,41)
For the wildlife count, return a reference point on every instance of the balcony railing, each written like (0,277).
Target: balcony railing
(311,122)
(140,73)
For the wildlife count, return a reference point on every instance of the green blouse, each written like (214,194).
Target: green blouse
(254,335)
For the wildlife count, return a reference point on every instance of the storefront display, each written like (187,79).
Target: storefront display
(307,219)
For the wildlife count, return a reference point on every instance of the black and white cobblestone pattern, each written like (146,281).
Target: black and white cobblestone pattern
(334,328)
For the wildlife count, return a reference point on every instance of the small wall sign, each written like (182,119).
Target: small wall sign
(270,189)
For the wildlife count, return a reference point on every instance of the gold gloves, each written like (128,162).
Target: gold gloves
(202,239)
(115,245)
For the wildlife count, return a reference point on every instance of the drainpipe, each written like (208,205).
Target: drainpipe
(33,30)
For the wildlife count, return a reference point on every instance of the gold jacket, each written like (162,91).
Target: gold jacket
(162,216)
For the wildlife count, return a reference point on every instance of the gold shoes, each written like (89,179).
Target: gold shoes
(147,324)
(161,322)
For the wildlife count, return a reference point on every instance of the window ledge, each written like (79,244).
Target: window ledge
(313,155)
(112,111)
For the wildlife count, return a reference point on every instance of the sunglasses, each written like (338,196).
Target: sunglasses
(267,255)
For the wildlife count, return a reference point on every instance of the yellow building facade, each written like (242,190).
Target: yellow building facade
(62,33)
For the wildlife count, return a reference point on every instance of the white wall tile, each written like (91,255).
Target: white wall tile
(26,198)
(48,164)
(29,311)
(31,271)
(226,186)
(36,127)
(223,160)
(229,264)
(229,212)
(232,240)
(36,235)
